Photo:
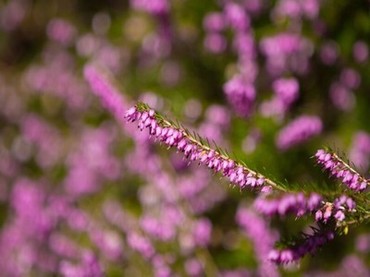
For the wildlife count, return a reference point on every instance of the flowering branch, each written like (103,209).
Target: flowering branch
(341,170)
(195,148)
(329,216)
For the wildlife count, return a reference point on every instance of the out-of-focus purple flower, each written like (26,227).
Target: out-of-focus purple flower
(236,17)
(160,266)
(141,244)
(286,92)
(286,89)
(61,31)
(297,204)
(99,164)
(57,76)
(256,228)
(298,131)
(251,141)
(110,57)
(286,51)
(109,243)
(218,114)
(12,14)
(244,45)
(253,6)
(360,150)
(193,267)
(171,73)
(64,246)
(89,266)
(154,47)
(274,107)
(215,43)
(105,90)
(214,22)
(342,97)
(157,7)
(88,44)
(329,52)
(201,232)
(361,51)
(350,78)
(282,44)
(161,229)
(297,9)
(45,137)
(363,243)
(241,95)
(339,169)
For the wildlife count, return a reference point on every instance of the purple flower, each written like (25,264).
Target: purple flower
(361,51)
(350,78)
(339,169)
(336,210)
(363,243)
(215,43)
(156,7)
(297,9)
(342,97)
(193,267)
(286,89)
(329,52)
(236,17)
(309,246)
(298,131)
(141,244)
(241,95)
(255,228)
(89,266)
(105,90)
(214,22)
(286,51)
(61,31)
(202,231)
(297,204)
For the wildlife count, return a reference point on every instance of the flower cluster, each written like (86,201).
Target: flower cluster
(177,137)
(336,209)
(297,204)
(241,95)
(341,170)
(309,245)
(283,50)
(299,131)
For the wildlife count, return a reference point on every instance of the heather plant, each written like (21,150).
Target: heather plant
(184,138)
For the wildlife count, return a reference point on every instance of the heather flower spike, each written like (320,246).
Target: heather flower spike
(332,217)
(331,162)
(309,244)
(195,149)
